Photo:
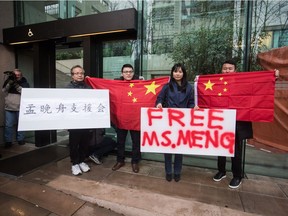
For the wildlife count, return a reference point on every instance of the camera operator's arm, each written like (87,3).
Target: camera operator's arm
(17,87)
(7,84)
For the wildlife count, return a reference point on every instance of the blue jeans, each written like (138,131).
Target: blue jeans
(11,119)
(178,159)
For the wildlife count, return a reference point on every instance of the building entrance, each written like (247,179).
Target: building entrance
(89,35)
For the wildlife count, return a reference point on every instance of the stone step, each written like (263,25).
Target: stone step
(131,201)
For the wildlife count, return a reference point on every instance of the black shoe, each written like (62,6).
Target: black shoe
(177,177)
(219,176)
(169,177)
(135,167)
(235,183)
(22,142)
(8,145)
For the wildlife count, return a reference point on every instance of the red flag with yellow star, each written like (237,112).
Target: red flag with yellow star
(250,93)
(127,98)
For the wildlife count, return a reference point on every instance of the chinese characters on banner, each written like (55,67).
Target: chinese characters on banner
(188,131)
(51,109)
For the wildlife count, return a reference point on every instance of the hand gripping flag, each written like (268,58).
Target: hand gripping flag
(127,98)
(250,93)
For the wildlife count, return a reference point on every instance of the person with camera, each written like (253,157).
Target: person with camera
(12,88)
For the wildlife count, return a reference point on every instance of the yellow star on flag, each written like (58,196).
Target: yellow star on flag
(208,85)
(134,100)
(151,88)
(131,85)
(130,93)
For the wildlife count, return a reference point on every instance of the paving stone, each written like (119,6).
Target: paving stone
(11,205)
(92,209)
(43,196)
(264,205)
(263,187)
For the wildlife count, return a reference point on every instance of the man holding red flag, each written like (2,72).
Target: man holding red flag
(128,75)
(251,94)
(243,131)
(127,95)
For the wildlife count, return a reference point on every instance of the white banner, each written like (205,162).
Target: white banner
(52,109)
(188,131)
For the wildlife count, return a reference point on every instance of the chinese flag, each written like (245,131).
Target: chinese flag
(127,98)
(250,93)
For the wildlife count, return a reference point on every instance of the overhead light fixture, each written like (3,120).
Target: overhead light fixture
(24,42)
(97,33)
(21,42)
(72,36)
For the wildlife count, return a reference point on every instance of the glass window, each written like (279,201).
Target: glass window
(66,58)
(269,27)
(116,54)
(31,12)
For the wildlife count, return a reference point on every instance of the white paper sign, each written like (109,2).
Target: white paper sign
(188,131)
(51,109)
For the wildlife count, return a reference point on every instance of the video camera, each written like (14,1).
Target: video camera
(11,75)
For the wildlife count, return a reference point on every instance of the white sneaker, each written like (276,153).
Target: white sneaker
(76,170)
(84,167)
(95,159)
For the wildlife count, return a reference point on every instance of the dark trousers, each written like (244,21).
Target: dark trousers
(178,160)
(121,139)
(236,161)
(106,146)
(79,145)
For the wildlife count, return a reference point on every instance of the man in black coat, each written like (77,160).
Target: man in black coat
(243,131)
(78,138)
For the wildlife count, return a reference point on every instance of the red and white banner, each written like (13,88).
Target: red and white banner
(188,131)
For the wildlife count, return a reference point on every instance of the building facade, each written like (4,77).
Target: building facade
(202,34)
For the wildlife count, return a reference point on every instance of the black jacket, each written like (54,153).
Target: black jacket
(244,130)
(79,85)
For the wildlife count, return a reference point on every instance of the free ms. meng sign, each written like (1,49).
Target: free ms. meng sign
(188,131)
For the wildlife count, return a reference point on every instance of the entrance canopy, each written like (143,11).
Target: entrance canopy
(120,23)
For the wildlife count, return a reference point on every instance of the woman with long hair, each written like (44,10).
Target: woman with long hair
(178,93)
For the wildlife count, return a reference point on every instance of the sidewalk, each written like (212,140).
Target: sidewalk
(52,190)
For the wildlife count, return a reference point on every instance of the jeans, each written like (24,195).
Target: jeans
(178,159)
(11,119)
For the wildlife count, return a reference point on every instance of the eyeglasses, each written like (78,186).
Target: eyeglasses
(78,74)
(126,72)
